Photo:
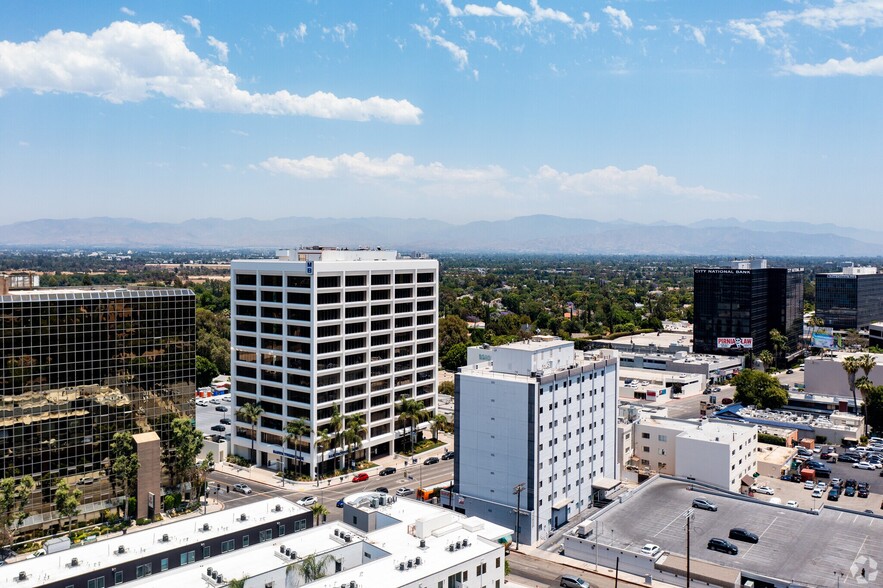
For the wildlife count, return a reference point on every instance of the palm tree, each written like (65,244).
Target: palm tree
(412,411)
(866,363)
(779,343)
(312,568)
(850,366)
(294,430)
(438,421)
(767,359)
(319,510)
(323,442)
(250,413)
(352,435)
(335,427)
(237,582)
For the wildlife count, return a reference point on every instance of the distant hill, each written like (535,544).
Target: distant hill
(528,234)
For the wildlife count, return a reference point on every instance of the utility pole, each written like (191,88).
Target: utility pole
(689,516)
(519,488)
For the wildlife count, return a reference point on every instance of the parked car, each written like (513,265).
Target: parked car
(404,491)
(226,421)
(569,581)
(848,458)
(849,491)
(704,504)
(864,490)
(809,485)
(243,488)
(448,455)
(792,504)
(863,465)
(817,493)
(360,477)
(382,489)
(201,402)
(215,400)
(340,503)
(821,486)
(430,460)
(789,371)
(308,501)
(834,494)
(387,471)
(764,490)
(219,428)
(650,549)
(851,483)
(722,545)
(741,534)
(222,409)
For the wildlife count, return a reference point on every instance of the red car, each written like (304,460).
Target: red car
(360,477)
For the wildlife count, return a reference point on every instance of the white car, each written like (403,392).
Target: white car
(244,488)
(764,490)
(650,549)
(817,493)
(821,486)
(215,400)
(225,398)
(809,485)
(404,491)
(863,465)
(201,402)
(792,504)
(308,501)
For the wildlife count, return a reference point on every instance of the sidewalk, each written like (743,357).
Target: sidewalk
(268,476)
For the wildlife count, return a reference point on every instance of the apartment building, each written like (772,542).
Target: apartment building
(324,332)
(535,432)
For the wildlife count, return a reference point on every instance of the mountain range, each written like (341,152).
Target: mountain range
(528,234)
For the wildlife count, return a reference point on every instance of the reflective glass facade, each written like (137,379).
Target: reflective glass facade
(746,303)
(846,301)
(78,366)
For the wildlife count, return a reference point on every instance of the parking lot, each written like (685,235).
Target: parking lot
(794,544)
(208,416)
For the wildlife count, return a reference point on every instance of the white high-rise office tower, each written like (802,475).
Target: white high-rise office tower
(328,332)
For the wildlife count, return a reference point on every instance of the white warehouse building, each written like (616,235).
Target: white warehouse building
(327,332)
(538,416)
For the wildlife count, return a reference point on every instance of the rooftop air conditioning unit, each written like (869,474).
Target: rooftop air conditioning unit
(165,538)
(418,560)
(121,549)
(465,542)
(243,517)
(278,508)
(423,544)
(206,526)
(401,566)
(209,572)
(22,576)
(75,562)
(410,563)
(281,549)
(348,538)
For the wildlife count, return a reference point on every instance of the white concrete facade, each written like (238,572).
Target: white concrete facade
(536,413)
(326,329)
(825,375)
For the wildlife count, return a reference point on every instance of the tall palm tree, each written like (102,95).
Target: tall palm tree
(850,366)
(323,441)
(335,427)
(311,568)
(355,426)
(294,430)
(779,343)
(412,411)
(438,421)
(319,510)
(250,413)
(766,358)
(866,363)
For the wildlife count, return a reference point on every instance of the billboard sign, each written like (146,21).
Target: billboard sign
(735,343)
(824,341)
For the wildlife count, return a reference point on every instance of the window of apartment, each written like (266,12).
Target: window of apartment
(328,331)
(95,583)
(328,282)
(356,312)
(645,435)
(329,314)
(271,296)
(245,540)
(228,545)
(164,564)
(272,281)
(298,298)
(380,325)
(355,281)
(646,449)
(328,298)
(357,296)
(266,535)
(380,279)
(299,314)
(380,294)
(663,438)
(246,280)
(354,359)
(353,328)
(403,307)
(188,557)
(298,281)
(357,343)
(404,292)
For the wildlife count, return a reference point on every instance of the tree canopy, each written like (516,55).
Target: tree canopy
(759,389)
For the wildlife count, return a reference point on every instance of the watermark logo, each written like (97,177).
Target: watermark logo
(863,570)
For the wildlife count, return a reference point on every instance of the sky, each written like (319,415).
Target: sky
(645,111)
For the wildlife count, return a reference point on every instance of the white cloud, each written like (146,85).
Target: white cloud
(618,18)
(475,10)
(359,166)
(341,32)
(747,30)
(487,40)
(238,132)
(452,10)
(459,54)
(644,181)
(650,27)
(220,47)
(839,67)
(540,14)
(193,22)
(127,11)
(842,13)
(698,35)
(128,62)
(518,16)
(300,32)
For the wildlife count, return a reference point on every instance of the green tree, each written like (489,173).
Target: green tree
(866,363)
(319,510)
(250,413)
(206,370)
(455,357)
(14,496)
(766,358)
(295,429)
(438,421)
(446,387)
(352,435)
(452,330)
(874,408)
(851,366)
(412,411)
(124,465)
(779,343)
(335,427)
(185,443)
(67,501)
(237,582)
(759,389)
(310,568)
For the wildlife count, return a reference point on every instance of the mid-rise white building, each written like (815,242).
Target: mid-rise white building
(536,415)
(327,332)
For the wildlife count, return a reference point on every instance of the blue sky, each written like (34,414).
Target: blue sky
(641,110)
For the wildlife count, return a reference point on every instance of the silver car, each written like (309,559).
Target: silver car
(569,581)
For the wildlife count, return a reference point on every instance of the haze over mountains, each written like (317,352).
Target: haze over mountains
(528,234)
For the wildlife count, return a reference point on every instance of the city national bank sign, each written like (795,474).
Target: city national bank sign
(720,270)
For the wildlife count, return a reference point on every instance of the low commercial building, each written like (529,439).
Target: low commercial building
(660,342)
(832,428)
(714,368)
(656,386)
(774,460)
(710,451)
(825,374)
(875,335)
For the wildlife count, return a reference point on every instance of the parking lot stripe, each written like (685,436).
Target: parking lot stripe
(772,522)
(673,521)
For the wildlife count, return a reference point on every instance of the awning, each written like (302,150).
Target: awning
(561,504)
(747,480)
(605,483)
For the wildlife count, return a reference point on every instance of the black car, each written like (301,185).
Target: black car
(387,471)
(722,545)
(219,428)
(847,458)
(430,460)
(850,483)
(448,455)
(382,490)
(834,494)
(221,408)
(740,534)
(226,421)
(849,491)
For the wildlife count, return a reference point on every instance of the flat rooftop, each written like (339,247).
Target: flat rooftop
(795,544)
(708,430)
(87,293)
(662,340)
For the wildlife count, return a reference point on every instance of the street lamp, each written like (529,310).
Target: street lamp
(517,490)
(281,472)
